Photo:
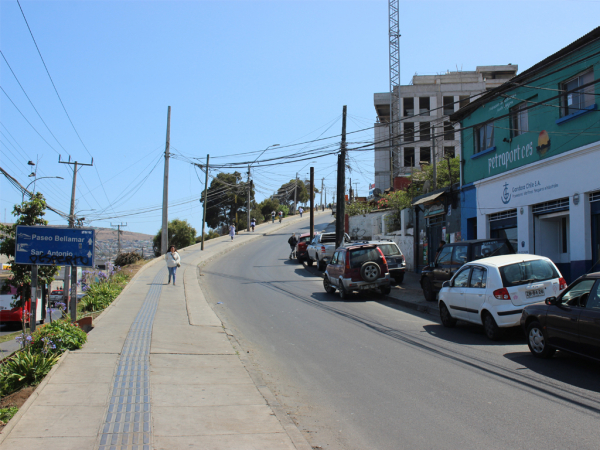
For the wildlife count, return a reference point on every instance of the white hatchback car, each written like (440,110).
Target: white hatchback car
(493,291)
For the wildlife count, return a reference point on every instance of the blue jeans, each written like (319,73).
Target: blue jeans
(172,271)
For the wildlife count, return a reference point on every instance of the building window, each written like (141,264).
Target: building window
(409,131)
(484,137)
(448,105)
(425,155)
(409,106)
(424,106)
(519,120)
(448,131)
(449,152)
(464,100)
(424,131)
(409,157)
(575,99)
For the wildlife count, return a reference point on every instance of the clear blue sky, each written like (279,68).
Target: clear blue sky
(239,77)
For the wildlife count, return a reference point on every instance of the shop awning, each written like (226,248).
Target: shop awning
(429,198)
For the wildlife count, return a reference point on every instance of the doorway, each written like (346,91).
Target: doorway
(552,240)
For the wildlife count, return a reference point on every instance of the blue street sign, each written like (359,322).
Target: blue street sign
(49,246)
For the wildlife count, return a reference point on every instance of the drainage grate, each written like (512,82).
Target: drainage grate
(127,424)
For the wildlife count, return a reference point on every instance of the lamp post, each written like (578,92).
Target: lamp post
(248,187)
(33,182)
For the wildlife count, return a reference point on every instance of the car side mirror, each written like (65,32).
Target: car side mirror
(551,301)
(446,284)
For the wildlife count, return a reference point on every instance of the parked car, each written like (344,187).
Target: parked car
(493,291)
(321,249)
(301,252)
(452,257)
(394,258)
(56,296)
(569,321)
(361,267)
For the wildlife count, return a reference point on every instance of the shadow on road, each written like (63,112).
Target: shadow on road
(471,334)
(563,367)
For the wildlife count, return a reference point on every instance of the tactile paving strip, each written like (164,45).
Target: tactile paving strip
(127,424)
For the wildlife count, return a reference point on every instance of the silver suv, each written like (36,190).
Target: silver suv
(394,257)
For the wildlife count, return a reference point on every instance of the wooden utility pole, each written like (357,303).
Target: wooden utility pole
(295,196)
(248,202)
(322,180)
(164,238)
(73,278)
(119,232)
(205,201)
(312,202)
(433,158)
(341,182)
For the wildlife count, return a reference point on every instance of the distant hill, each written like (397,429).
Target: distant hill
(103,234)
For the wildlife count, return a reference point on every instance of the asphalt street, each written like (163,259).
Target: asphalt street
(367,373)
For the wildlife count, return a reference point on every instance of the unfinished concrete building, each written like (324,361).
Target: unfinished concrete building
(424,124)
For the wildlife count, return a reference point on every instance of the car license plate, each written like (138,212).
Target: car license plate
(534,293)
(365,287)
(392,266)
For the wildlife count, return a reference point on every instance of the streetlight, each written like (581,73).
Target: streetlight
(248,203)
(35,179)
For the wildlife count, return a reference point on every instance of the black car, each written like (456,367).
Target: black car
(452,256)
(569,321)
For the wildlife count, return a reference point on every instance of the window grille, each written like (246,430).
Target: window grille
(503,215)
(555,205)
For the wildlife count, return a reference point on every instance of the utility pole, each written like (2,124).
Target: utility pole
(350,192)
(295,192)
(322,180)
(248,202)
(312,202)
(68,276)
(341,182)
(164,238)
(205,201)
(433,158)
(119,232)
(356,189)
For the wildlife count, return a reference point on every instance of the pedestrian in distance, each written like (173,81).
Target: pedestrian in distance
(300,210)
(252,223)
(273,216)
(173,262)
(293,241)
(280,216)
(232,231)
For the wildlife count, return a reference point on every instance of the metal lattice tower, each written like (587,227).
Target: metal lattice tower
(394,125)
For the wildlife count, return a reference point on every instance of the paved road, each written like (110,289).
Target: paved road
(369,374)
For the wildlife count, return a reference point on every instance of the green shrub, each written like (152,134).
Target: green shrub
(25,368)
(99,295)
(7,413)
(57,337)
(125,259)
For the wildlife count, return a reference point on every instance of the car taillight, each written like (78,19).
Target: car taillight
(382,255)
(502,294)
(323,248)
(562,284)
(347,260)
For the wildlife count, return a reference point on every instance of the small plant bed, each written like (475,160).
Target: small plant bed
(10,404)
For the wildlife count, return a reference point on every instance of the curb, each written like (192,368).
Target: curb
(430,308)
(34,395)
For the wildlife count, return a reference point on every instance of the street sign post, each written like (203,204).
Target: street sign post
(55,246)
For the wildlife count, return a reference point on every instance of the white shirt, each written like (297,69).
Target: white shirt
(172,259)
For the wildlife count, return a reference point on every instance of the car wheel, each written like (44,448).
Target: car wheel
(399,278)
(309,262)
(370,271)
(327,285)
(428,290)
(491,327)
(537,342)
(342,291)
(447,319)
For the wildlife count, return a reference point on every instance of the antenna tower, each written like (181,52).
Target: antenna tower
(394,125)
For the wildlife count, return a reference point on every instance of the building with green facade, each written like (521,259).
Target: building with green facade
(531,159)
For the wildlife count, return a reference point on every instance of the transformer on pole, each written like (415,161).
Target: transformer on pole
(394,124)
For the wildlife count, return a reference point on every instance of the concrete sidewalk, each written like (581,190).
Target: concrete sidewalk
(410,295)
(158,372)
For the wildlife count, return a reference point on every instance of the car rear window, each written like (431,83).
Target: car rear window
(360,256)
(304,239)
(527,272)
(491,248)
(328,238)
(390,249)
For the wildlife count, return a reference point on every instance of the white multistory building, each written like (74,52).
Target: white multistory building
(424,125)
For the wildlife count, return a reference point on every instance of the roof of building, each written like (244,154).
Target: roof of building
(533,70)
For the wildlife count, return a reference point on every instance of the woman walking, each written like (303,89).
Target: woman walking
(232,231)
(173,262)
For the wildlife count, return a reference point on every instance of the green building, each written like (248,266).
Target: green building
(531,159)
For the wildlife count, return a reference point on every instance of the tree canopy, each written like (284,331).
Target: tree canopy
(227,198)
(31,212)
(180,234)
